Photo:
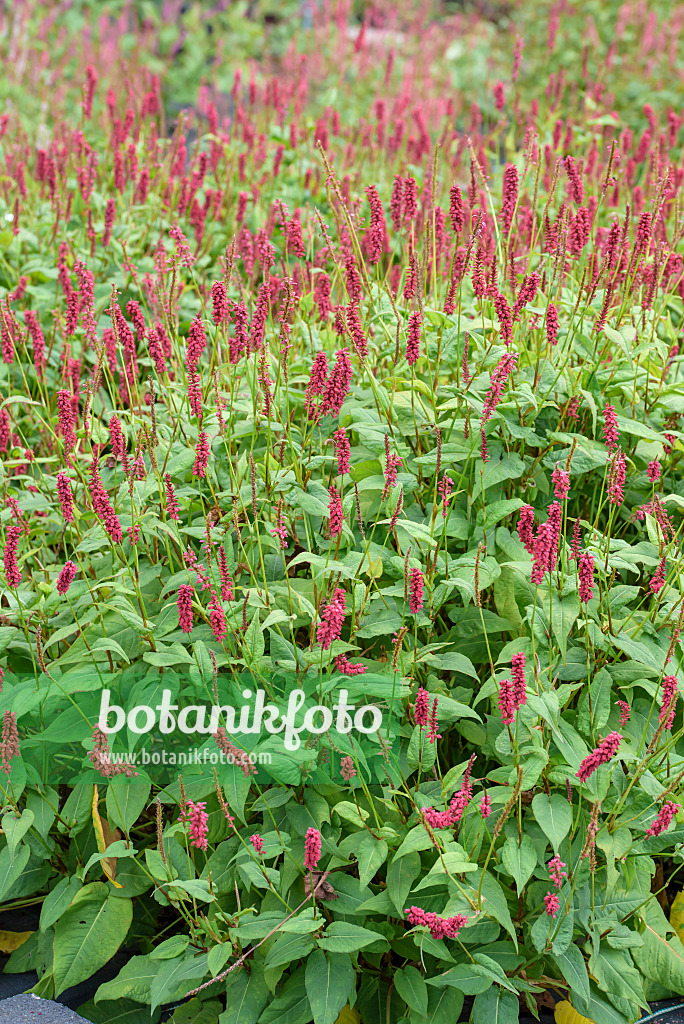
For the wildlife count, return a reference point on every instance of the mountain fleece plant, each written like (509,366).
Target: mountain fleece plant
(345,400)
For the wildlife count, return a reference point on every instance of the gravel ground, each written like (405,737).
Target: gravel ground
(32,1010)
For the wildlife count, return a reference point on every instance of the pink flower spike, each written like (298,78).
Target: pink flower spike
(519,681)
(506,702)
(217,618)
(257,842)
(561,483)
(342,451)
(416,586)
(606,750)
(610,427)
(552,903)
(184,602)
(197,818)
(617,470)
(585,571)
(440,927)
(664,819)
(65,497)
(421,708)
(9,744)
(330,626)
(66,577)
(335,509)
(624,712)
(657,581)
(413,341)
(556,866)
(525,524)
(343,665)
(668,703)
(12,572)
(201,455)
(312,849)
(432,733)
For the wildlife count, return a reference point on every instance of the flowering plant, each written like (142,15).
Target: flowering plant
(303,403)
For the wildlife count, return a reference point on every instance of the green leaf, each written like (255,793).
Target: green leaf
(415,841)
(519,860)
(562,614)
(171,948)
(504,466)
(88,934)
(117,850)
(44,807)
(592,714)
(452,862)
(574,969)
(197,888)
(370,854)
(444,1006)
(197,1012)
(123,1011)
(7,634)
(254,639)
(554,817)
(453,661)
(489,968)
(554,932)
(235,785)
(401,874)
(534,763)
(287,948)
(462,977)
(11,867)
(175,978)
(639,650)
(107,644)
(420,751)
(218,956)
(498,510)
(633,427)
(661,958)
(133,981)
(16,828)
(505,601)
(411,986)
(494,904)
(247,995)
(329,983)
(126,800)
(616,975)
(349,811)
(292,1007)
(495,1006)
(602,1011)
(57,901)
(343,937)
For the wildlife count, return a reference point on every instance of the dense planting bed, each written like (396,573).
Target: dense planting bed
(346,404)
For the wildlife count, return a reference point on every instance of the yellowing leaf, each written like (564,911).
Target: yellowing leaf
(677,914)
(565,1013)
(348,1016)
(374,570)
(97,823)
(9,941)
(109,865)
